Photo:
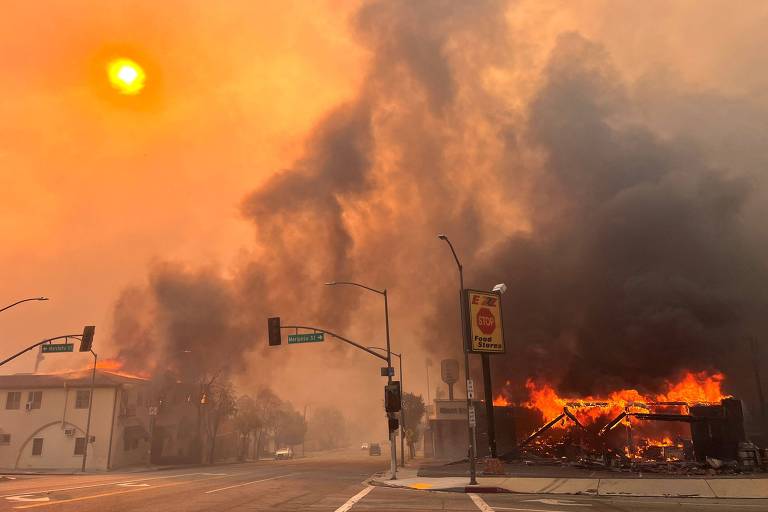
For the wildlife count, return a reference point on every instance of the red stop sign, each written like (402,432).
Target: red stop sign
(485,321)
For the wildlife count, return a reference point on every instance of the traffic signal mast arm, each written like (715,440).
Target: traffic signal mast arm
(65,336)
(329,333)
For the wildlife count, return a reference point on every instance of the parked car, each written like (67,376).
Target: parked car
(364,446)
(285,453)
(374,449)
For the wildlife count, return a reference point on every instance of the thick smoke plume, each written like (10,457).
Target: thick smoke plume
(627,236)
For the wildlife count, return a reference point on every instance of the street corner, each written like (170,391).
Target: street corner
(422,484)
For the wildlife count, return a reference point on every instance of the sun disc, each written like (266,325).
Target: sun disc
(126,76)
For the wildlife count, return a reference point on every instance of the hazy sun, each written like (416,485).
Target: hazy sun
(126,76)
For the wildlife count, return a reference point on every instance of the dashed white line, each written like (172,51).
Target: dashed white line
(101,484)
(480,503)
(249,483)
(354,499)
(528,509)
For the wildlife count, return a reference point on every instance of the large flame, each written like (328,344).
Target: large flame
(108,365)
(116,366)
(692,388)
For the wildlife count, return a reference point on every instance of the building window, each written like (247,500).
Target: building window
(35,399)
(37,446)
(13,401)
(79,446)
(83,399)
(5,439)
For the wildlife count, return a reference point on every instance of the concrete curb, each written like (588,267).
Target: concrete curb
(737,488)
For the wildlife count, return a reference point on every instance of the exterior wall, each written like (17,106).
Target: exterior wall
(129,447)
(57,413)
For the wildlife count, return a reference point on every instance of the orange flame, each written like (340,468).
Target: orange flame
(692,388)
(116,366)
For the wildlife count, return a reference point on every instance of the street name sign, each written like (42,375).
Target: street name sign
(59,347)
(306,338)
(483,314)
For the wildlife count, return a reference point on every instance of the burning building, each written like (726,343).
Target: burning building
(43,420)
(692,419)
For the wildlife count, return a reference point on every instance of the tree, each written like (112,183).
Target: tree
(290,427)
(414,408)
(247,421)
(329,428)
(267,407)
(220,404)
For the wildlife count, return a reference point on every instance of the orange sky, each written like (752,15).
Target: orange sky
(93,186)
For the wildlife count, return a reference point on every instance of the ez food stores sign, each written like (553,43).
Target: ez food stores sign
(483,313)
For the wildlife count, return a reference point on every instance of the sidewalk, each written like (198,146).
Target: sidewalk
(639,487)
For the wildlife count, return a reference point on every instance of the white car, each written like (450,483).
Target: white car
(364,446)
(285,453)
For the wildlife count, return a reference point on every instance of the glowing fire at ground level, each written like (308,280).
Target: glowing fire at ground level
(692,388)
(692,412)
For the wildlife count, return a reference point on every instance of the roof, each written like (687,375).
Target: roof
(80,378)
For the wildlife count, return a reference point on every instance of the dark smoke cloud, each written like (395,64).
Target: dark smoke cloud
(639,264)
(628,252)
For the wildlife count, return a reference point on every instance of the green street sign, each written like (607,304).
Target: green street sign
(306,338)
(59,347)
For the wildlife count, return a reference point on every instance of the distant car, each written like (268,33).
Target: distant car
(374,449)
(364,446)
(285,453)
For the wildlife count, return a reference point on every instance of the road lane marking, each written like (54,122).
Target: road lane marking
(249,483)
(568,503)
(529,509)
(354,499)
(480,503)
(111,482)
(132,484)
(27,497)
(114,493)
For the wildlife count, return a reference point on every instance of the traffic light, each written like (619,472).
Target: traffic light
(394,424)
(273,327)
(87,340)
(392,397)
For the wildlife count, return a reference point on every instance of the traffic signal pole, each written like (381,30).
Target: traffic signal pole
(275,323)
(90,409)
(392,443)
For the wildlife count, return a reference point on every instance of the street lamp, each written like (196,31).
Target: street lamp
(471,428)
(402,408)
(20,301)
(393,462)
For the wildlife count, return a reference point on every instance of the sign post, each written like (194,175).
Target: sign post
(449,372)
(486,336)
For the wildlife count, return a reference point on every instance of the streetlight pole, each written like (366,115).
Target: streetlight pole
(393,461)
(402,407)
(471,428)
(9,306)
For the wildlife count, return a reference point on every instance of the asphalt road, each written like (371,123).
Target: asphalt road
(334,482)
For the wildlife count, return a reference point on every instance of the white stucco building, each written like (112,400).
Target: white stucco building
(43,421)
